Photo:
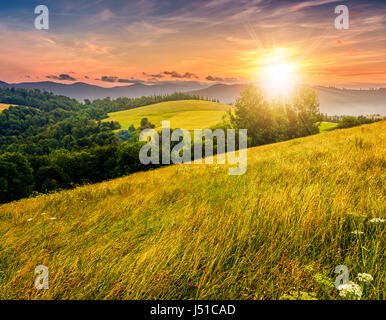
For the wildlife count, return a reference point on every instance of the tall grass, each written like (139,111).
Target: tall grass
(195,232)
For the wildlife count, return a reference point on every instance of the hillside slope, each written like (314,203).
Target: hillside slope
(185,114)
(325,126)
(193,231)
(4,106)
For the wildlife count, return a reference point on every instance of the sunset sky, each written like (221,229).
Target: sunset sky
(111,43)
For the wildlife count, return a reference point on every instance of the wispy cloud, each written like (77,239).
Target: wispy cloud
(61,77)
(186,75)
(102,16)
(313,3)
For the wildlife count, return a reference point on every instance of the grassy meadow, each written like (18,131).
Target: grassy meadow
(326,126)
(4,106)
(195,232)
(185,114)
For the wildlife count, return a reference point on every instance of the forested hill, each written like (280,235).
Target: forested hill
(35,111)
(41,100)
(41,122)
(38,117)
(48,141)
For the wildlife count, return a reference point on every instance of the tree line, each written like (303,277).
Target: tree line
(351,121)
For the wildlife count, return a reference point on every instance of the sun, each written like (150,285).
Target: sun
(277,71)
(278,79)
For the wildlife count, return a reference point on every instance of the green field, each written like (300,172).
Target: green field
(4,106)
(194,232)
(185,114)
(326,126)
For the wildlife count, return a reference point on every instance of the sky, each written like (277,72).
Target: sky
(110,43)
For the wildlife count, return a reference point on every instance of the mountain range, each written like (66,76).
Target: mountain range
(333,101)
(81,90)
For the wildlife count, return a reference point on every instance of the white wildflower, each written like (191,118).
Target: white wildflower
(365,277)
(375,220)
(30,219)
(350,290)
(357,232)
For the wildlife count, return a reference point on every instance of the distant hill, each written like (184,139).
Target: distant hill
(184,114)
(81,90)
(226,93)
(333,101)
(351,102)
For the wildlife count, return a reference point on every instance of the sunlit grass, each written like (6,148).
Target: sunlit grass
(326,126)
(185,114)
(281,228)
(4,106)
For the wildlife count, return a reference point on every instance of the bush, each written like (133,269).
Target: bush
(348,122)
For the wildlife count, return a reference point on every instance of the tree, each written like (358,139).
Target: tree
(253,112)
(306,105)
(348,122)
(16,177)
(272,120)
(49,178)
(146,124)
(128,160)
